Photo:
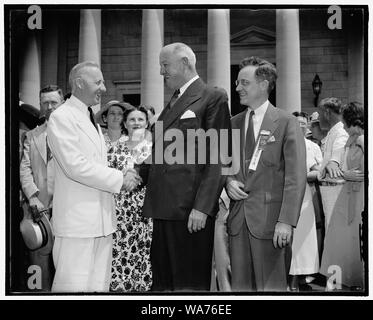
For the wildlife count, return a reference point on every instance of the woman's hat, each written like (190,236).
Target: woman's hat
(37,234)
(105,108)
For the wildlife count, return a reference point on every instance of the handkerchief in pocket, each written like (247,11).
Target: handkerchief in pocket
(271,139)
(188,114)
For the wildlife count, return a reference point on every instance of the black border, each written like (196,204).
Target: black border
(11,138)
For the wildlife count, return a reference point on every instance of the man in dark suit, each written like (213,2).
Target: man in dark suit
(182,196)
(268,186)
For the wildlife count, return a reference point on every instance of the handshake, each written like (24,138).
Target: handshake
(131,179)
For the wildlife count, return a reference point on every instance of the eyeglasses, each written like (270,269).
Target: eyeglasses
(242,82)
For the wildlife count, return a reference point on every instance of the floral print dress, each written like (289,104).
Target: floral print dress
(131,268)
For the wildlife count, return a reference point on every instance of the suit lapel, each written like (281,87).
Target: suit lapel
(241,122)
(269,122)
(85,123)
(192,94)
(39,137)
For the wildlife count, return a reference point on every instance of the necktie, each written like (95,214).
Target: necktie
(49,153)
(92,117)
(174,97)
(250,138)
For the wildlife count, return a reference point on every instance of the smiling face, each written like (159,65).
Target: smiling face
(49,101)
(136,120)
(114,117)
(172,69)
(252,92)
(92,85)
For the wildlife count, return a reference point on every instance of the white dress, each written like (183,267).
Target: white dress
(305,255)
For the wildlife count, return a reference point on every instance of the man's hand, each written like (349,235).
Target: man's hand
(283,234)
(34,201)
(354,175)
(196,221)
(235,190)
(332,168)
(130,179)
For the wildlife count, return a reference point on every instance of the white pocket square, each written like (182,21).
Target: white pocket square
(271,139)
(188,114)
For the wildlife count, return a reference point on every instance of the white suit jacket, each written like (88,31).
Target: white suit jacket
(335,142)
(36,174)
(83,202)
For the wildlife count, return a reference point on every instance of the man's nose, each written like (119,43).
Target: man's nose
(103,88)
(161,71)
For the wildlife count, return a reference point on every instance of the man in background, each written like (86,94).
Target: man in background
(37,176)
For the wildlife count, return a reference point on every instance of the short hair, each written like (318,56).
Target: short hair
(51,88)
(185,51)
(333,104)
(149,108)
(133,108)
(264,71)
(77,70)
(353,114)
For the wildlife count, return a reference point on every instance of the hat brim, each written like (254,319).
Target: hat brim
(98,115)
(37,236)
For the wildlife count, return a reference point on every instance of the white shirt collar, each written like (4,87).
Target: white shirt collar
(257,118)
(79,104)
(186,85)
(260,111)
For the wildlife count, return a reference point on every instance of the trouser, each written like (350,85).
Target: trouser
(256,264)
(82,264)
(45,263)
(329,195)
(181,261)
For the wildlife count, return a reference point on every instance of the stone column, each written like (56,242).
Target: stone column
(90,35)
(49,55)
(218,49)
(288,87)
(29,78)
(356,57)
(152,88)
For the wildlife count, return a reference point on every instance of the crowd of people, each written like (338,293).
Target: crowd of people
(124,218)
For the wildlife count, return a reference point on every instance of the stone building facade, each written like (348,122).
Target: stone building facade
(126,42)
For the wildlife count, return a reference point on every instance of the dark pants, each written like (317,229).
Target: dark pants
(256,264)
(181,261)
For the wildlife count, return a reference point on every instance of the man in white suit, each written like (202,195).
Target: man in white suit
(83,204)
(37,175)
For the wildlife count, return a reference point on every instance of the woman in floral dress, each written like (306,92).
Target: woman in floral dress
(131,269)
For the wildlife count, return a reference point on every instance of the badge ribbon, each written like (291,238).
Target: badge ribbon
(259,147)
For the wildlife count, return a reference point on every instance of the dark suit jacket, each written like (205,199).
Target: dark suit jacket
(277,187)
(173,190)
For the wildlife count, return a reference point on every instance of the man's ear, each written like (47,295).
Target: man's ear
(264,85)
(185,61)
(79,83)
